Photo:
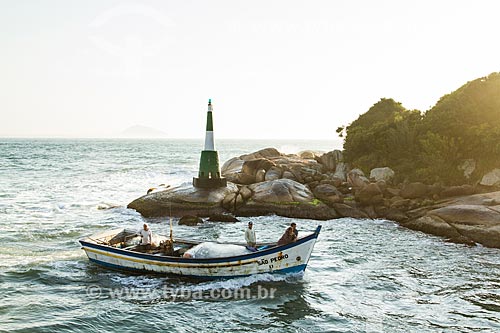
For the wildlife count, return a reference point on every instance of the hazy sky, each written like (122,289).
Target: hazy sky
(274,69)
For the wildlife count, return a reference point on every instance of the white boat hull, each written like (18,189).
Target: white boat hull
(290,258)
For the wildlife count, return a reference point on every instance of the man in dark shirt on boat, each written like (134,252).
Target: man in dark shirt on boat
(290,235)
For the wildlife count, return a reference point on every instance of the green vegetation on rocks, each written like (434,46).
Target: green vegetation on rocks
(463,126)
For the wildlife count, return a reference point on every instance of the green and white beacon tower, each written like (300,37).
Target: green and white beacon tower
(209,173)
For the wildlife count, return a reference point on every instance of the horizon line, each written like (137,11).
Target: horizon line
(160,138)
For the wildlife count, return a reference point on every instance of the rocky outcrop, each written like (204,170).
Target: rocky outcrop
(456,191)
(285,197)
(470,219)
(320,186)
(308,168)
(190,220)
(492,178)
(281,191)
(226,217)
(356,178)
(329,194)
(282,197)
(183,200)
(369,195)
(386,174)
(330,160)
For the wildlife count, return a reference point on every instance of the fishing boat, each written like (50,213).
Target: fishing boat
(118,249)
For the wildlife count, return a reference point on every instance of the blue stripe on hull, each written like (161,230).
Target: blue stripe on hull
(289,270)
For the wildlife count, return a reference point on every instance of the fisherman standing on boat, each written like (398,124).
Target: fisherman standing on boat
(146,237)
(250,236)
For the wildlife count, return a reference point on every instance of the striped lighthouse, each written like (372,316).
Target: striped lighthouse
(209,172)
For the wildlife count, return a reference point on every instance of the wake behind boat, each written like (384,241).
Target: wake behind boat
(118,249)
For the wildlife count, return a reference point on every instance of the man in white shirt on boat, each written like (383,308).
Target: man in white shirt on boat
(250,236)
(146,237)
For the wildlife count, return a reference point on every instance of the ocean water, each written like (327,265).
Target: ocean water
(364,275)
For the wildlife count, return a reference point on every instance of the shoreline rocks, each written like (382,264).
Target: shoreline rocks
(318,186)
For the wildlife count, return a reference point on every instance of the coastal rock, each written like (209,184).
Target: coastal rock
(414,190)
(436,226)
(222,218)
(492,178)
(369,195)
(468,215)
(329,160)
(274,173)
(245,192)
(229,201)
(232,168)
(395,214)
(341,171)
(267,153)
(386,174)
(183,200)
(308,154)
(281,190)
(285,197)
(260,176)
(349,211)
(288,175)
(328,194)
(390,192)
(468,219)
(190,220)
(251,167)
(455,191)
(356,178)
(247,169)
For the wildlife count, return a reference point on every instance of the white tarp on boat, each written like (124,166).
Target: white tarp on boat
(215,250)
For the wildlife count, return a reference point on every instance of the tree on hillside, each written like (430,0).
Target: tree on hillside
(469,119)
(386,135)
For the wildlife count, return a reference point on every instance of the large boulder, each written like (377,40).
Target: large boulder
(222,218)
(281,191)
(341,171)
(492,178)
(328,194)
(467,219)
(329,160)
(309,154)
(463,223)
(231,169)
(190,220)
(386,174)
(260,176)
(345,210)
(285,197)
(267,153)
(251,167)
(369,195)
(269,164)
(356,178)
(183,200)
(273,173)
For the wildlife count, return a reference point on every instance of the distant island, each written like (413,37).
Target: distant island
(139,131)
